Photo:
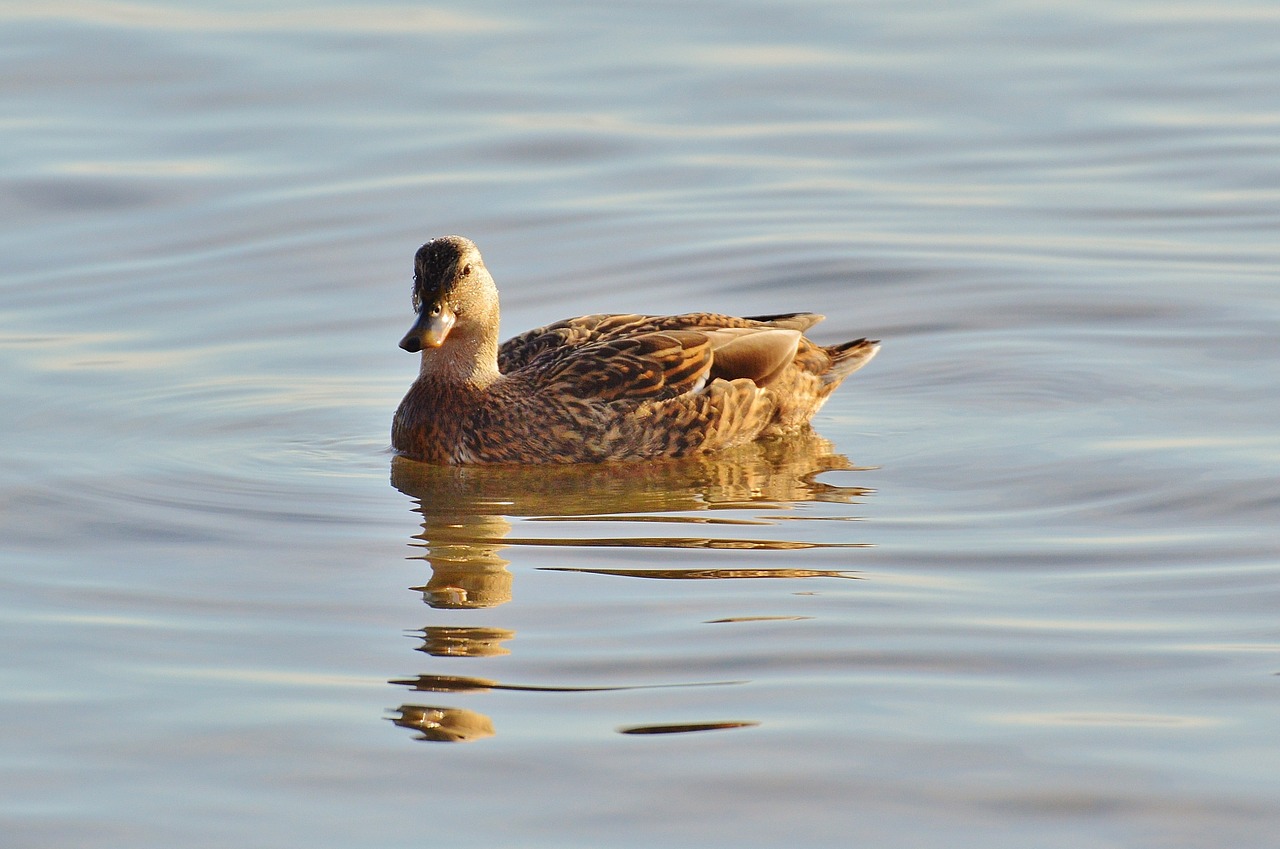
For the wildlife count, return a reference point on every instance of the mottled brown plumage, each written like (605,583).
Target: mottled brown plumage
(599,387)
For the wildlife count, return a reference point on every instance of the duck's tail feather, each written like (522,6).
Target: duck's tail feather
(848,358)
(801,321)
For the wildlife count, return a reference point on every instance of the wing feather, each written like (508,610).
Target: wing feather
(639,367)
(642,357)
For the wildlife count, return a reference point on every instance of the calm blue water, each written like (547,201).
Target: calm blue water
(1022,591)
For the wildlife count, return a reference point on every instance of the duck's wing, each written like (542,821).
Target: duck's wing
(634,366)
(554,339)
(519,351)
(801,321)
(758,353)
(653,365)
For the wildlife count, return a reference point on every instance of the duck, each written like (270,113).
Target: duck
(598,388)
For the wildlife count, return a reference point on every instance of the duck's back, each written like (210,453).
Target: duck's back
(572,333)
(633,386)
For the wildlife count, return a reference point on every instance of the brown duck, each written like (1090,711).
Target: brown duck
(599,387)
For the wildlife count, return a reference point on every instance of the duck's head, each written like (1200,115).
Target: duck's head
(452,293)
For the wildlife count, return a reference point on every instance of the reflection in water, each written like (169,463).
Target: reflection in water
(770,473)
(445,641)
(665,520)
(465,509)
(467,515)
(689,542)
(444,724)
(734,619)
(462,684)
(703,574)
(684,728)
(466,570)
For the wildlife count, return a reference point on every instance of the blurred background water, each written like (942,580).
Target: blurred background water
(1021,591)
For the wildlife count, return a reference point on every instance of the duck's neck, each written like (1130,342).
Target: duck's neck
(467,359)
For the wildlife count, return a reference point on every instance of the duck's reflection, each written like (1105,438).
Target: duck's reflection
(465,509)
(772,472)
(444,641)
(444,724)
(466,528)
(467,571)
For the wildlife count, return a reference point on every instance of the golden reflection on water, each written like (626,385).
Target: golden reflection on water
(766,473)
(445,641)
(467,515)
(462,549)
(465,510)
(444,724)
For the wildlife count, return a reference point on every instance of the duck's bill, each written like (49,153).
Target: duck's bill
(430,330)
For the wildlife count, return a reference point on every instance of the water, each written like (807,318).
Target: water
(1020,592)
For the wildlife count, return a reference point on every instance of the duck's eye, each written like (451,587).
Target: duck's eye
(466,270)
(434,311)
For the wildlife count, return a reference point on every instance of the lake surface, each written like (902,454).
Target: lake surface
(1019,589)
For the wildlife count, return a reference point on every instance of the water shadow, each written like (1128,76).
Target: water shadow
(443,724)
(687,727)
(468,514)
(770,473)
(466,510)
(463,641)
(463,684)
(706,574)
